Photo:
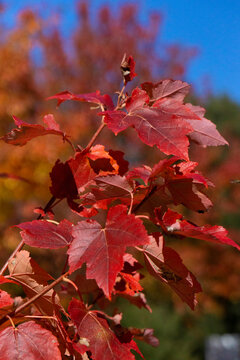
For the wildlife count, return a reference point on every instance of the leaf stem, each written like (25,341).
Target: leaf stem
(89,145)
(71,144)
(120,97)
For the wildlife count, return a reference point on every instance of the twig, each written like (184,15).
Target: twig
(34,298)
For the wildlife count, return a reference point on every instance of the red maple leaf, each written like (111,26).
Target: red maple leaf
(28,341)
(174,89)
(102,249)
(166,265)
(174,224)
(103,343)
(26,132)
(154,127)
(95,98)
(46,234)
(205,132)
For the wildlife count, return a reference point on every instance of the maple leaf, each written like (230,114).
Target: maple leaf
(111,186)
(63,184)
(26,272)
(75,174)
(94,97)
(174,224)
(122,163)
(205,132)
(5,299)
(166,265)
(102,249)
(103,343)
(46,234)
(103,162)
(81,170)
(128,284)
(177,108)
(174,183)
(28,341)
(154,127)
(174,89)
(142,172)
(26,132)
(127,69)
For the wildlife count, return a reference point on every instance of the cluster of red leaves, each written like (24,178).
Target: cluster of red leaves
(125,221)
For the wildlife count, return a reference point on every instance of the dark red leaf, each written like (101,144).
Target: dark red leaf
(28,341)
(95,98)
(103,343)
(102,249)
(46,234)
(166,265)
(26,132)
(185,192)
(122,163)
(63,184)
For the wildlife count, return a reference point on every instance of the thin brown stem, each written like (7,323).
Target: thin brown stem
(91,142)
(120,97)
(71,144)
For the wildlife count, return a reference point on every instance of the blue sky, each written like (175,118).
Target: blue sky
(213,26)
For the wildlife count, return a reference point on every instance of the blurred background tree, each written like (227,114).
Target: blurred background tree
(36,61)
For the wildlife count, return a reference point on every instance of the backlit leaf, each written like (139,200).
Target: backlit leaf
(26,132)
(46,234)
(103,343)
(28,341)
(102,249)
